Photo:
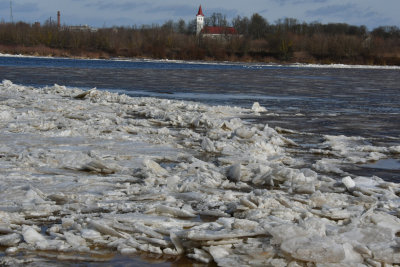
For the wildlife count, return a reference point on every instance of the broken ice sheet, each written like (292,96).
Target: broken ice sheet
(90,169)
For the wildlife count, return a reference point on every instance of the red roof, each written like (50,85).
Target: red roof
(200,13)
(219,30)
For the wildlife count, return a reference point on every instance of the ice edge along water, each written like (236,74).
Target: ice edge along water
(87,163)
(245,65)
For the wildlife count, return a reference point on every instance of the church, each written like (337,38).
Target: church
(222,33)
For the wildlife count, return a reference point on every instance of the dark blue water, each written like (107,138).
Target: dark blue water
(348,101)
(125,64)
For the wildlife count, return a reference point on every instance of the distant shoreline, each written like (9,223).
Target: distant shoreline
(281,64)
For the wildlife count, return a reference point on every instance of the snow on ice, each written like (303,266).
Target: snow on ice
(135,174)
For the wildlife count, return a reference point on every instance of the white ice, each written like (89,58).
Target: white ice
(138,174)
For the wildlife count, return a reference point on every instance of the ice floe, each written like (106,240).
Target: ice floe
(82,170)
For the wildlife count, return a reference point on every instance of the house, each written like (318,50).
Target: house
(218,33)
(223,33)
(83,28)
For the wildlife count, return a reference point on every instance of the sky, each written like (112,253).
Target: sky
(100,13)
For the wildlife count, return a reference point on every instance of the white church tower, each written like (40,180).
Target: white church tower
(200,21)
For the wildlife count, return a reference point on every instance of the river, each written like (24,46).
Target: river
(304,103)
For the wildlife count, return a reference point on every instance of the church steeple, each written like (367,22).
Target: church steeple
(200,13)
(200,21)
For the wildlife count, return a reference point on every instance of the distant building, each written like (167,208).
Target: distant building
(83,28)
(200,21)
(218,33)
(222,33)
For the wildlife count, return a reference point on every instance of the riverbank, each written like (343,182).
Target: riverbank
(298,57)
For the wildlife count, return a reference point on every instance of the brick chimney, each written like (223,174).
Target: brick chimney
(58,19)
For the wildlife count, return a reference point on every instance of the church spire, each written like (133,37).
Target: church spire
(200,21)
(200,13)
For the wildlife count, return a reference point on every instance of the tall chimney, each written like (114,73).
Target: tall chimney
(58,19)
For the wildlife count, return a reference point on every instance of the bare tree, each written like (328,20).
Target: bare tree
(258,26)
(180,26)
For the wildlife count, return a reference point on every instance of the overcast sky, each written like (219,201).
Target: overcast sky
(99,13)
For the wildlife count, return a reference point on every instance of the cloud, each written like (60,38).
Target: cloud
(370,14)
(342,11)
(309,2)
(176,10)
(297,2)
(230,13)
(185,10)
(26,7)
(101,5)
(350,13)
(19,8)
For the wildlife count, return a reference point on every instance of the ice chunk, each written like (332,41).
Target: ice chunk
(278,262)
(59,198)
(215,235)
(99,166)
(31,236)
(308,188)
(127,251)
(150,248)
(317,224)
(386,220)
(31,194)
(147,230)
(384,252)
(367,234)
(207,145)
(257,108)
(318,198)
(235,172)
(163,131)
(90,234)
(281,233)
(177,243)
(244,201)
(339,215)
(5,115)
(10,239)
(82,95)
(148,163)
(201,255)
(105,229)
(245,224)
(12,250)
(348,182)
(174,211)
(325,166)
(214,213)
(67,222)
(351,255)
(218,252)
(314,249)
(244,133)
(74,240)
(7,82)
(49,244)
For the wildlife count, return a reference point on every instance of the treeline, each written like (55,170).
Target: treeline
(286,40)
